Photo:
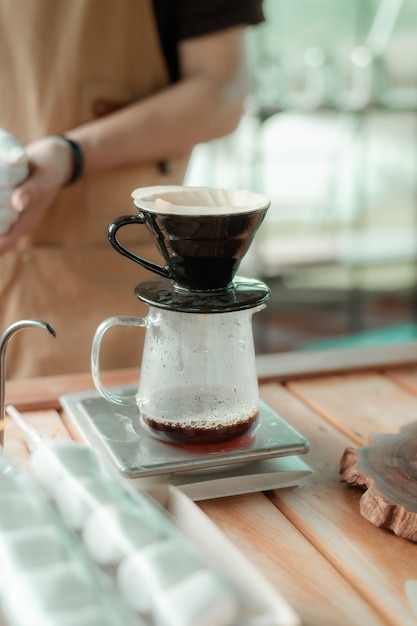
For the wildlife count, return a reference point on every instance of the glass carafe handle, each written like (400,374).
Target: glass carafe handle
(125,220)
(95,356)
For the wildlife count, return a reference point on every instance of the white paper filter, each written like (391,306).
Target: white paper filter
(181,200)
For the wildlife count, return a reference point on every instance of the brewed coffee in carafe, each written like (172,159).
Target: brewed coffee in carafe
(198,382)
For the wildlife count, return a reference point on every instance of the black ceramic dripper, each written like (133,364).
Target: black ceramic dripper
(202,234)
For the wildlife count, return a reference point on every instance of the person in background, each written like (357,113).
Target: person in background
(101,97)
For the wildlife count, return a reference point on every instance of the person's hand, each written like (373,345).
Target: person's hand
(50,166)
(13,171)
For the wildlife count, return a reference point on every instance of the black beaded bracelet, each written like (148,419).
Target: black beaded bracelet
(77,160)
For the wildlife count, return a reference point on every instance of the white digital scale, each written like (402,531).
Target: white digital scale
(267,457)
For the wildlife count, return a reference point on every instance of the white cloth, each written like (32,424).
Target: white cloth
(13,171)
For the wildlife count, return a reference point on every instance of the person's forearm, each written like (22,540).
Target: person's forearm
(162,126)
(207,103)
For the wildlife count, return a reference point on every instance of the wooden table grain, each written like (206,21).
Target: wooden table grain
(334,567)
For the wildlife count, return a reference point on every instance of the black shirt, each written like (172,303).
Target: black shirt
(184,19)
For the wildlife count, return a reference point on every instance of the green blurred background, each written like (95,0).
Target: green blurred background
(330,136)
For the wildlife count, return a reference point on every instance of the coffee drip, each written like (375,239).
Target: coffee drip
(198,382)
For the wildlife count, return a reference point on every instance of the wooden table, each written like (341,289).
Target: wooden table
(333,566)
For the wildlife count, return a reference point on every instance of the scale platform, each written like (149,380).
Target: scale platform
(264,458)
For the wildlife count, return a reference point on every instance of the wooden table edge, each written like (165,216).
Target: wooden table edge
(304,364)
(44,392)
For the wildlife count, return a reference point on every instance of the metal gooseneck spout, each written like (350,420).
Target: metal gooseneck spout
(4,341)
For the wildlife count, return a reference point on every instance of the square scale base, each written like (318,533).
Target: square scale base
(253,462)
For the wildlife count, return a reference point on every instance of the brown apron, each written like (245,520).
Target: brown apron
(70,61)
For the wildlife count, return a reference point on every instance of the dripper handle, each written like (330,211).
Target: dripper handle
(125,220)
(95,356)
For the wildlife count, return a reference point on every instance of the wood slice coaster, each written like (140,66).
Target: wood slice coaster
(387,470)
